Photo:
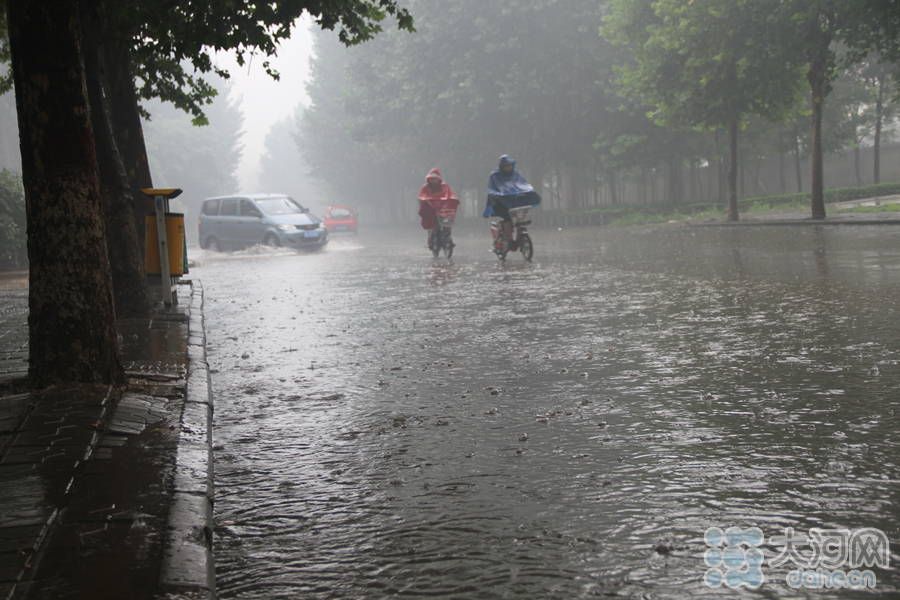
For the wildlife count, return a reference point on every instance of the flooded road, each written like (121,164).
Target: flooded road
(392,425)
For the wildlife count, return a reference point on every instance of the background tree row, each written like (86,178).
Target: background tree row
(626,100)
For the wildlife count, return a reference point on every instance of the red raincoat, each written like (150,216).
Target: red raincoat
(435,197)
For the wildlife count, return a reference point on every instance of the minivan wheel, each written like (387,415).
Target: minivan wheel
(213,244)
(272,241)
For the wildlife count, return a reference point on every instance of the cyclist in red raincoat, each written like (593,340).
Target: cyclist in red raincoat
(435,197)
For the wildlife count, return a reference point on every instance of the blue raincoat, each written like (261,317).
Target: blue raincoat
(510,189)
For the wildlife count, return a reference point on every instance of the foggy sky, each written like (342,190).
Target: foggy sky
(265,101)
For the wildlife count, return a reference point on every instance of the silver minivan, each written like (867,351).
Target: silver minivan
(271,219)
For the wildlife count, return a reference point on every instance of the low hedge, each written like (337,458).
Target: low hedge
(832,195)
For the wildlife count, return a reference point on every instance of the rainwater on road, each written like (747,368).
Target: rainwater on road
(390,425)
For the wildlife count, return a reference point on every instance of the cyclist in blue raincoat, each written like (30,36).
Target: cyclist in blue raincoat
(507,188)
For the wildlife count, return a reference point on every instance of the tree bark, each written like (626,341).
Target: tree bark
(817,76)
(126,257)
(126,123)
(733,129)
(798,167)
(71,319)
(817,183)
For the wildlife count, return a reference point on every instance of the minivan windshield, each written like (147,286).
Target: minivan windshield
(279,206)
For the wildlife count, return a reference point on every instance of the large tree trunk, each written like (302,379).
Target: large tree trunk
(817,183)
(125,255)
(817,76)
(126,122)
(72,335)
(733,128)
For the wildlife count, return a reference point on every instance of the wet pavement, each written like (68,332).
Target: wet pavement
(392,425)
(88,473)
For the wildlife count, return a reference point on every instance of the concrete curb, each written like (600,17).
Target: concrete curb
(188,568)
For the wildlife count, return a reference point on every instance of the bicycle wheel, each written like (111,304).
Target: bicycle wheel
(501,247)
(526,247)
(434,242)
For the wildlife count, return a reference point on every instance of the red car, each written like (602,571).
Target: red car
(340,218)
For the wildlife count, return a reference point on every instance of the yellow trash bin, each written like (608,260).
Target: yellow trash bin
(176,239)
